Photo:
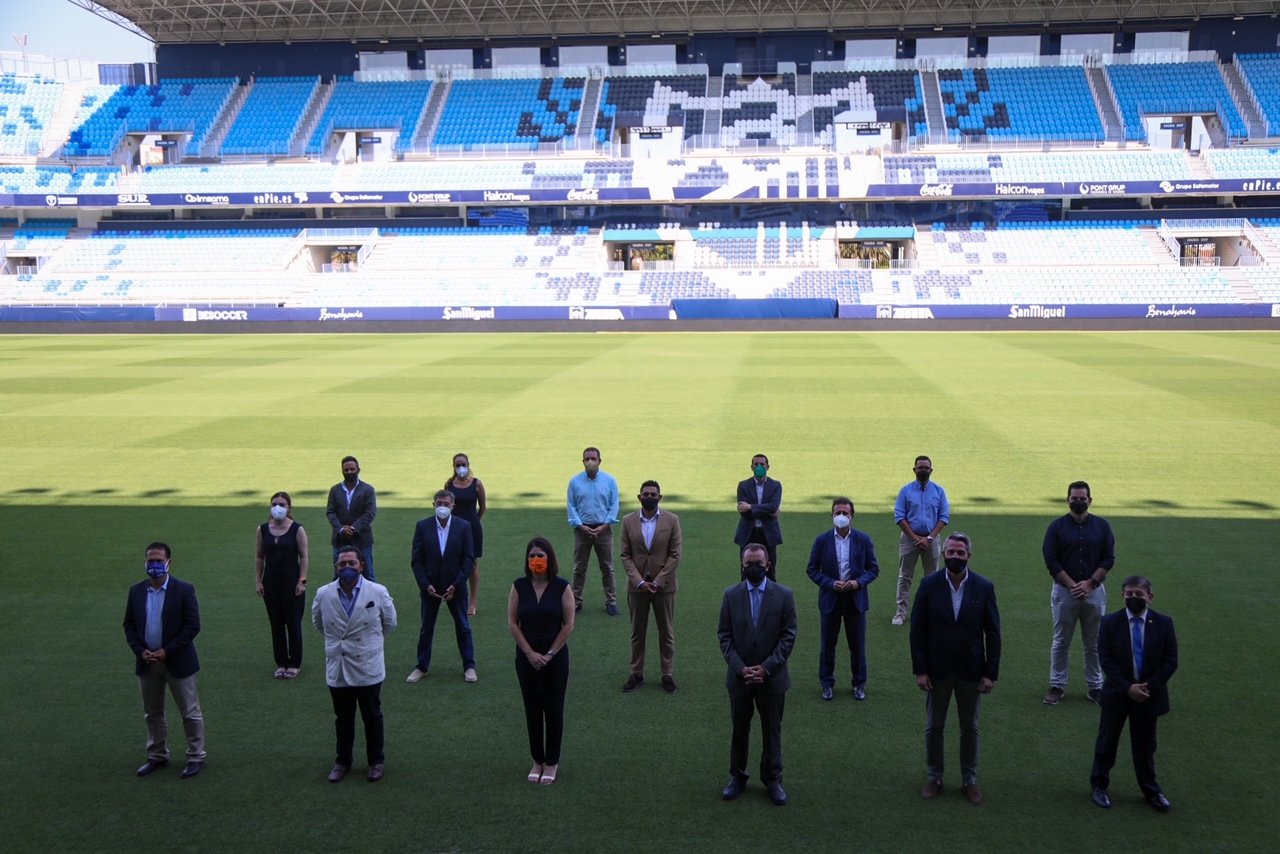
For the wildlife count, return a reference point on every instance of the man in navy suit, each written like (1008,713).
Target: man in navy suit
(955,650)
(759,500)
(757,633)
(351,509)
(842,564)
(1138,650)
(443,557)
(161,620)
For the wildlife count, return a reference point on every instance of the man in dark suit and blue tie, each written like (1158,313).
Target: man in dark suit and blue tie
(759,502)
(1138,651)
(955,650)
(443,557)
(351,509)
(842,564)
(757,634)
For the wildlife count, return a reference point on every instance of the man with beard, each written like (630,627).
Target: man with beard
(921,511)
(351,508)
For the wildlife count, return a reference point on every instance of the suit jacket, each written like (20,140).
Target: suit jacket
(442,571)
(745,644)
(179,625)
(765,511)
(353,646)
(824,569)
(1159,659)
(364,506)
(941,644)
(657,563)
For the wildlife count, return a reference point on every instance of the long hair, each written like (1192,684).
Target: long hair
(288,502)
(553,568)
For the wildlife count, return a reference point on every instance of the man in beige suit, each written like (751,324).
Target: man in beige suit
(354,614)
(651,555)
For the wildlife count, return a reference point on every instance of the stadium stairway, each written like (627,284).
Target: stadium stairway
(1245,103)
(222,124)
(1105,100)
(933,111)
(1239,281)
(431,115)
(590,107)
(310,118)
(1160,253)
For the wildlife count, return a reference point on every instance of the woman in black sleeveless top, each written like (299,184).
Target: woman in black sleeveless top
(540,611)
(469,502)
(281,569)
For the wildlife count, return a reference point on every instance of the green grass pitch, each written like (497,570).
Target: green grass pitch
(112,441)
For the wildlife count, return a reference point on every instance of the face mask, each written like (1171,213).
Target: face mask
(157,568)
(442,512)
(591,466)
(462,471)
(923,476)
(842,521)
(649,503)
(279,511)
(956,565)
(760,471)
(348,575)
(1135,605)
(1079,507)
(351,478)
(538,565)
(754,572)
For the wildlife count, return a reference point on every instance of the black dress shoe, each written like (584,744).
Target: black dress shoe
(1101,798)
(859,693)
(735,787)
(192,769)
(633,682)
(338,772)
(828,693)
(375,772)
(776,794)
(1159,802)
(151,765)
(668,684)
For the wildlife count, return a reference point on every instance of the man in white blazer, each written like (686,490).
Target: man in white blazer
(354,614)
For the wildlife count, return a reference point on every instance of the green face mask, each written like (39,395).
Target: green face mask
(760,470)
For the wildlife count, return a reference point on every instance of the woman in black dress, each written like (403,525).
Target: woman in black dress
(469,503)
(281,570)
(540,612)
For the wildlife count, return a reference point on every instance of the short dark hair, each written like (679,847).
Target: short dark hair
(350,459)
(840,499)
(923,457)
(961,537)
(159,546)
(751,547)
(652,483)
(553,567)
(1079,484)
(586,451)
(347,548)
(764,457)
(1137,581)
(442,493)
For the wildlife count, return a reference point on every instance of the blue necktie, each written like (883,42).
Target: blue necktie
(1136,623)
(755,606)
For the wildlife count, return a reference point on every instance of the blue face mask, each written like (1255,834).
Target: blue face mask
(157,568)
(348,576)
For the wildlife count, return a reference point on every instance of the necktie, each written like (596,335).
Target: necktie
(755,606)
(1136,623)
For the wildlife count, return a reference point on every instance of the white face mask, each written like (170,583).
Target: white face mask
(442,512)
(462,471)
(279,511)
(841,521)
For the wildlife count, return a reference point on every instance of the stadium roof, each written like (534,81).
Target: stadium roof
(226,21)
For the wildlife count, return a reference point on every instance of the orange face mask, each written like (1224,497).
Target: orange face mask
(538,565)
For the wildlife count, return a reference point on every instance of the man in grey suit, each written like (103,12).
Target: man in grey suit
(354,614)
(757,633)
(351,508)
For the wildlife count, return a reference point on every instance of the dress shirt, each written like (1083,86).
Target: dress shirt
(922,506)
(349,602)
(957,593)
(442,532)
(648,527)
(759,500)
(842,555)
(1078,548)
(592,501)
(350,492)
(154,634)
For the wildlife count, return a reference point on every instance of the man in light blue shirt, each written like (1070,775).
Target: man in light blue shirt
(593,509)
(921,512)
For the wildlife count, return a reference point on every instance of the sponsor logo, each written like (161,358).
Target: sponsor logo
(1037,311)
(416,198)
(588,195)
(578,312)
(1018,190)
(936,189)
(1262,185)
(51,201)
(1166,186)
(210,314)
(1172,311)
(1102,189)
(135,199)
(468,312)
(1275,310)
(189,315)
(340,198)
(277,198)
(884,312)
(341,314)
(59,201)
(199,199)
(659,129)
(1190,186)
(903,312)
(495,196)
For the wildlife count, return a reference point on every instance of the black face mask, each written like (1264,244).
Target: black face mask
(754,572)
(1078,507)
(649,503)
(923,476)
(1135,605)
(956,565)
(351,478)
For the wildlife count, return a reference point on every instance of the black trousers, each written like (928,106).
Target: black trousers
(284,612)
(543,691)
(743,704)
(1142,741)
(345,701)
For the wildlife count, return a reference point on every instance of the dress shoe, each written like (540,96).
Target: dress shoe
(899,619)
(974,794)
(470,674)
(1101,798)
(668,684)
(859,693)
(633,682)
(1053,696)
(828,693)
(1095,694)
(416,675)
(151,765)
(338,772)
(577,609)
(931,790)
(776,794)
(375,772)
(192,769)
(611,610)
(735,787)
(1159,802)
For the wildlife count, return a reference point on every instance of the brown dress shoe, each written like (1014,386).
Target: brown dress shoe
(931,790)
(338,772)
(1053,696)
(974,794)
(375,772)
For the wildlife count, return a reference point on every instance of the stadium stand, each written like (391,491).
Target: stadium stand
(656,100)
(27,105)
(517,113)
(269,119)
(837,91)
(107,113)
(380,105)
(1173,88)
(1020,103)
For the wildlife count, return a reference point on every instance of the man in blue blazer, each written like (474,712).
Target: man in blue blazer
(955,650)
(442,558)
(842,564)
(351,509)
(161,620)
(759,502)
(1138,651)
